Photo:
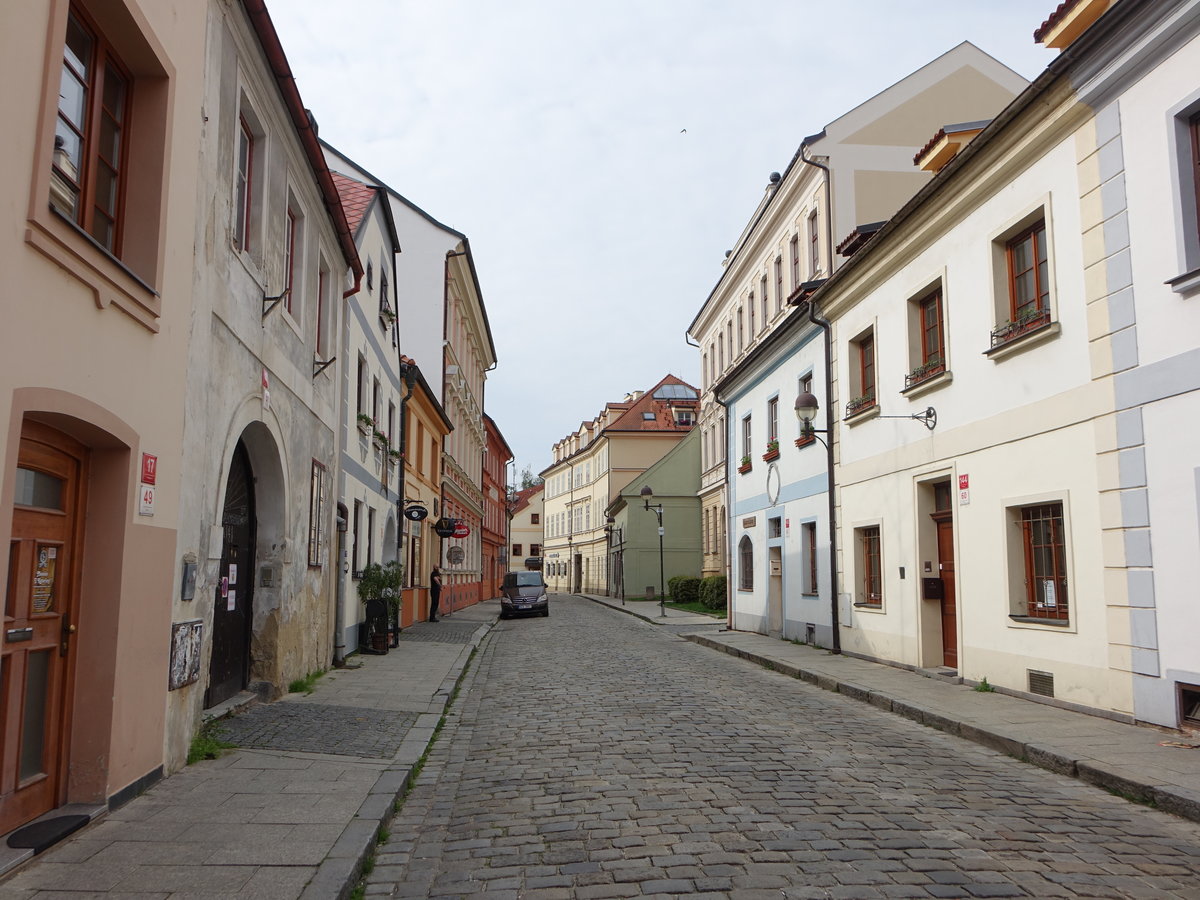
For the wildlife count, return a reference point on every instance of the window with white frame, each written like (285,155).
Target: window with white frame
(808,532)
(747,445)
(750,313)
(773,424)
(926,336)
(1038,561)
(778,284)
(1022,274)
(869,584)
(745,564)
(862,373)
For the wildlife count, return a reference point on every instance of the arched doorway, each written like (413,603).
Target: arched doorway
(41,610)
(229,664)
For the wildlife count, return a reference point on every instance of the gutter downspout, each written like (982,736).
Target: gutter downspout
(725,520)
(408,373)
(828,331)
(829,487)
(339,608)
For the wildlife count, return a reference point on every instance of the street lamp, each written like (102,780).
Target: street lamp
(647,494)
(806,410)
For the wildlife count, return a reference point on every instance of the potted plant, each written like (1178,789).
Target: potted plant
(379,589)
(393,456)
(365,423)
(772,450)
(924,372)
(381,440)
(745,464)
(858,404)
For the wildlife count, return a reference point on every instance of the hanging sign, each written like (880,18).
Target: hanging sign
(416,512)
(455,556)
(445,527)
(462,529)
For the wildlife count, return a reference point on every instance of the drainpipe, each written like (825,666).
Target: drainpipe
(827,329)
(339,609)
(409,373)
(725,521)
(828,207)
(833,575)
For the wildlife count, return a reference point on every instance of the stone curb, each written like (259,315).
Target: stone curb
(1170,798)
(340,871)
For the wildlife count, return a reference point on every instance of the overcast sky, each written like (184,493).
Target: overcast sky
(602,157)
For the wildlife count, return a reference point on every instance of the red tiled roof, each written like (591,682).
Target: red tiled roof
(356,198)
(1055,17)
(525,496)
(634,420)
(941,133)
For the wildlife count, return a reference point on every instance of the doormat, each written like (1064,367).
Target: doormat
(42,835)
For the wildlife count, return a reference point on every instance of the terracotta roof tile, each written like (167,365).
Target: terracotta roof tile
(1054,18)
(356,198)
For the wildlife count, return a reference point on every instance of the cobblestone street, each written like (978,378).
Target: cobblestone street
(591,755)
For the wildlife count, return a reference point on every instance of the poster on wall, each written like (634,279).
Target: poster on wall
(186,638)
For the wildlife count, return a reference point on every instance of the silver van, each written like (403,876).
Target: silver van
(523,593)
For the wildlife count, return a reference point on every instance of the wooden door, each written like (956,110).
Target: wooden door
(945,539)
(229,665)
(40,609)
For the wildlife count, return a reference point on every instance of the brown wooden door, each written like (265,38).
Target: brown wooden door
(40,609)
(945,536)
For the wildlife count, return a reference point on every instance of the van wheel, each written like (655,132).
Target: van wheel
(546,612)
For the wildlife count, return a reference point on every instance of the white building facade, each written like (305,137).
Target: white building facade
(841,183)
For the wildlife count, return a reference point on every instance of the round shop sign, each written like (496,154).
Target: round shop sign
(462,529)
(454,556)
(445,527)
(416,512)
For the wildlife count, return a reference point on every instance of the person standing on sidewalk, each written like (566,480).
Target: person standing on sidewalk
(435,592)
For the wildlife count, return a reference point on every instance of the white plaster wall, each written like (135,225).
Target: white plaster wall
(362,466)
(801,474)
(981,388)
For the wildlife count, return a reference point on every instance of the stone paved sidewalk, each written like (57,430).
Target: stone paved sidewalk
(293,812)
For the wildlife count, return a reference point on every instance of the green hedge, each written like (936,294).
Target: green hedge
(712,592)
(684,589)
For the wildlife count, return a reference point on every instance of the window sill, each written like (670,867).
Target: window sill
(1186,284)
(83,257)
(921,387)
(1024,342)
(864,414)
(877,607)
(1035,620)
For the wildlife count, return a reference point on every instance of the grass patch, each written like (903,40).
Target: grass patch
(700,608)
(306,684)
(983,687)
(207,742)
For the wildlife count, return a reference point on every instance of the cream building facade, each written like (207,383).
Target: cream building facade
(526,528)
(1032,299)
(839,186)
(592,465)
(97,299)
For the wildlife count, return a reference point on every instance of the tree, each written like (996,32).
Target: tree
(528,479)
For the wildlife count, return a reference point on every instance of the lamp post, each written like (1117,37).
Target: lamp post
(647,494)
